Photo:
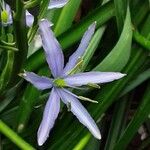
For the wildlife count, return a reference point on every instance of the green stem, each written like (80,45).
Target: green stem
(31,3)
(9,48)
(140,39)
(8,132)
(21,40)
(34,28)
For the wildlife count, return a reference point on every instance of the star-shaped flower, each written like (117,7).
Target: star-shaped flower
(63,78)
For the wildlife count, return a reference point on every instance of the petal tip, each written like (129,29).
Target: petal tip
(40,142)
(45,22)
(93,25)
(98,135)
(122,75)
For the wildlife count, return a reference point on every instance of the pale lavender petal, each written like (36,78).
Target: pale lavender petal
(29,19)
(10,20)
(51,112)
(8,9)
(54,55)
(40,82)
(57,3)
(80,112)
(92,77)
(81,49)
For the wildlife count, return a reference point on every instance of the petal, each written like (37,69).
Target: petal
(80,112)
(54,55)
(81,49)
(92,77)
(29,19)
(57,4)
(50,114)
(39,82)
(8,9)
(10,20)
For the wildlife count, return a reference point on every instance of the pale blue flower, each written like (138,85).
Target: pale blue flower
(6,17)
(62,78)
(52,5)
(57,3)
(7,14)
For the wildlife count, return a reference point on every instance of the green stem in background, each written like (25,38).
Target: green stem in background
(34,28)
(9,48)
(100,15)
(7,71)
(6,74)
(21,40)
(140,39)
(31,3)
(8,132)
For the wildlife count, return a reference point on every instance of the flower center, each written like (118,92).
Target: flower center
(59,82)
(4,16)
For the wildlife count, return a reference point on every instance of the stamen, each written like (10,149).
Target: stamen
(59,82)
(87,99)
(93,85)
(69,106)
(77,66)
(22,74)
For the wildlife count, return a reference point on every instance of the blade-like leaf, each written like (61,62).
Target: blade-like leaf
(66,17)
(140,116)
(119,56)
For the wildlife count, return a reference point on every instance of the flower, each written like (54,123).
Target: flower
(57,3)
(52,5)
(6,15)
(63,78)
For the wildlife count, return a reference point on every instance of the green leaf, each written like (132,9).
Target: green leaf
(140,116)
(117,123)
(119,56)
(67,16)
(136,82)
(120,9)
(9,96)
(14,137)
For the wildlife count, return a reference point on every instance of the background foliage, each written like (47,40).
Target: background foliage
(120,43)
